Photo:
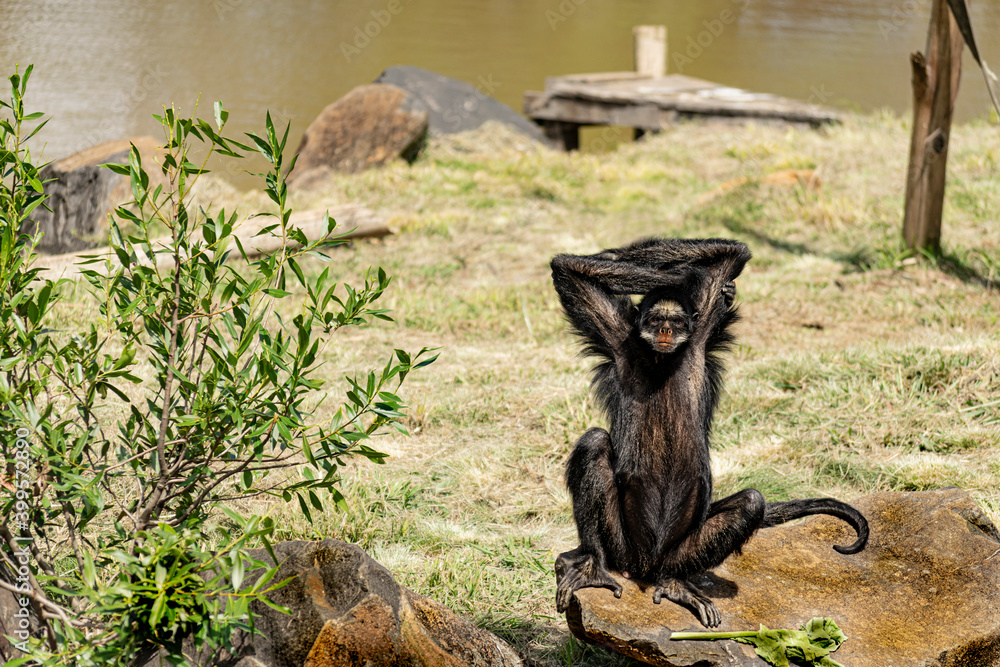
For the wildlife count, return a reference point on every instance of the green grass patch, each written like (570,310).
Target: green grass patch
(859,366)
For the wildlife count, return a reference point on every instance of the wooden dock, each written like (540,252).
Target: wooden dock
(651,103)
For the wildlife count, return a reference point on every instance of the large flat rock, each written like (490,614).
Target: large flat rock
(926,591)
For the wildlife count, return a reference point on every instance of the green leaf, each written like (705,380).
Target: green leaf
(157,611)
(221,115)
(304,507)
(275,606)
(121,169)
(235,517)
(767,645)
(341,502)
(237,572)
(19,662)
(262,146)
(812,644)
(824,632)
(89,573)
(314,499)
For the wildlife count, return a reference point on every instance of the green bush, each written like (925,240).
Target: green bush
(109,478)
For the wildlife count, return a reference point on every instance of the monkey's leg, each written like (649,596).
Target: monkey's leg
(731,522)
(591,483)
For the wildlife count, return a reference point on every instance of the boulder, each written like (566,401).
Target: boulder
(347,611)
(81,194)
(366,128)
(455,106)
(923,592)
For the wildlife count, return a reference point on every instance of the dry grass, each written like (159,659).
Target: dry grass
(857,369)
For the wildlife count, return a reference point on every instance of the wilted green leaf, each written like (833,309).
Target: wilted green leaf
(811,644)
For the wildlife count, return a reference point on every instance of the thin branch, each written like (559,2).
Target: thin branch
(222,478)
(68,516)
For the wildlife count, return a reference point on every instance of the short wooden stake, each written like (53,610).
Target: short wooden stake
(650,44)
(935,87)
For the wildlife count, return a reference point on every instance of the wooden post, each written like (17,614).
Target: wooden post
(650,47)
(935,86)
(564,134)
(650,50)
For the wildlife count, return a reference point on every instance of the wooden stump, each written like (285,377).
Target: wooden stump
(81,194)
(650,49)
(935,86)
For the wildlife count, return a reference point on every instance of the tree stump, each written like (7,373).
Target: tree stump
(81,194)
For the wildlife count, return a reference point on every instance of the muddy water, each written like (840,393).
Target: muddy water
(103,66)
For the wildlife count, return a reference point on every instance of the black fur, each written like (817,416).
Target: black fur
(642,490)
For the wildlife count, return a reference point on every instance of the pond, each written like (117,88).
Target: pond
(102,67)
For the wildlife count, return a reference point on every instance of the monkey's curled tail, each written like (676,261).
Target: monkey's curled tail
(779,512)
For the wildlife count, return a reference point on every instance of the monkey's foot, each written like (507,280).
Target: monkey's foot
(578,569)
(688,595)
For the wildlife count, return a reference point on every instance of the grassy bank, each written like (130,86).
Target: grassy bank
(858,369)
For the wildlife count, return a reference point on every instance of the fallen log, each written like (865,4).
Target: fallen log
(357,221)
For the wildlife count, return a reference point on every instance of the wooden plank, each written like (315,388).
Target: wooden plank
(650,104)
(653,112)
(598,77)
(670,92)
(630,89)
(646,116)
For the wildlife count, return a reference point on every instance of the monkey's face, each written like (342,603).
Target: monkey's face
(665,326)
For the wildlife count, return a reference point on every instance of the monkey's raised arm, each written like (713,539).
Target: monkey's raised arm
(722,261)
(593,289)
(670,254)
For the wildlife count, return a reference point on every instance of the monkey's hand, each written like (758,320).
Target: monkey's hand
(578,569)
(729,293)
(688,595)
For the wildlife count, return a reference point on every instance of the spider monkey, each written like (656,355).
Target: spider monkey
(642,490)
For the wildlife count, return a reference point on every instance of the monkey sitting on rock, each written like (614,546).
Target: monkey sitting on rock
(642,490)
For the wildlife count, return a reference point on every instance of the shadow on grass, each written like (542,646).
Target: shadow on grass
(866,258)
(798,249)
(960,268)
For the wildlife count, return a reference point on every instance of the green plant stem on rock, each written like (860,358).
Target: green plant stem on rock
(812,644)
(713,635)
